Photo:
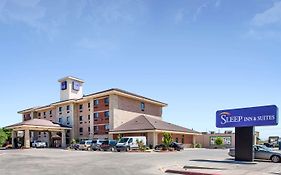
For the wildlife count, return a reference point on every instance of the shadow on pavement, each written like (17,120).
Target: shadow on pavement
(228,161)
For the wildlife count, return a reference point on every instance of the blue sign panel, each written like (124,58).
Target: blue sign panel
(244,117)
(64,85)
(75,85)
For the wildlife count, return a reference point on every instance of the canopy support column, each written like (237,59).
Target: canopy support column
(26,138)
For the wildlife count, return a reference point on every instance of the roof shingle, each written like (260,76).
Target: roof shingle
(149,123)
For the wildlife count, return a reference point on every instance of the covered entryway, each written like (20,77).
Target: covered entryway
(30,127)
(153,129)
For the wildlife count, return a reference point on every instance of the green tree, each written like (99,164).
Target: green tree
(167,139)
(141,145)
(218,141)
(3,137)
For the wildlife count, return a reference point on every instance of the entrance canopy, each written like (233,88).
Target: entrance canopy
(37,125)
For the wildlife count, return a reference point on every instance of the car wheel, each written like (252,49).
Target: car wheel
(275,159)
(127,149)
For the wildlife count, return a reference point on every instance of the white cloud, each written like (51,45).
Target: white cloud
(199,10)
(269,16)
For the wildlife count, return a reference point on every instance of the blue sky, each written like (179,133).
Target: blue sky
(196,55)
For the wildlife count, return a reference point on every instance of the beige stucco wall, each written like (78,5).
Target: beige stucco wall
(132,105)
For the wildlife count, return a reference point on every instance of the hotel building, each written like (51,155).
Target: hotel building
(105,115)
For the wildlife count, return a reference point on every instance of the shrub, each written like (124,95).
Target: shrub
(141,145)
(198,145)
(167,139)
(219,141)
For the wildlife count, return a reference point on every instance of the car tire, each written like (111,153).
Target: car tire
(127,149)
(275,159)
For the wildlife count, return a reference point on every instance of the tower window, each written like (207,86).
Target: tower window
(60,109)
(67,107)
(80,107)
(81,118)
(80,129)
(89,105)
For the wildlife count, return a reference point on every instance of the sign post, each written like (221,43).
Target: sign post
(244,120)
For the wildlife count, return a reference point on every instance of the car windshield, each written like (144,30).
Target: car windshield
(263,148)
(123,140)
(82,142)
(94,141)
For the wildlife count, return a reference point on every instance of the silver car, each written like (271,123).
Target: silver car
(261,152)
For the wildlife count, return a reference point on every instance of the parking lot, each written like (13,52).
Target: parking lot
(57,161)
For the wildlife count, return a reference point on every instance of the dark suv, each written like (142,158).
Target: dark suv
(108,145)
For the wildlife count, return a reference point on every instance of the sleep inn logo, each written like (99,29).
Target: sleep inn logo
(255,116)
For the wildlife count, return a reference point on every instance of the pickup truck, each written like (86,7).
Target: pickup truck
(39,144)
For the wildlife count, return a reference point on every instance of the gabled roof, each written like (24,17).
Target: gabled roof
(38,122)
(148,123)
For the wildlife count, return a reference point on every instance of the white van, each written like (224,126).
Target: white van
(129,143)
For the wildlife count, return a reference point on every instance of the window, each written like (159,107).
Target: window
(67,119)
(89,117)
(96,102)
(96,128)
(89,105)
(106,127)
(81,118)
(44,113)
(96,115)
(80,107)
(142,106)
(50,111)
(182,139)
(60,109)
(80,129)
(106,114)
(67,107)
(39,114)
(106,101)
(89,129)
(60,120)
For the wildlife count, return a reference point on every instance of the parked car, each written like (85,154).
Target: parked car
(270,145)
(96,144)
(129,143)
(85,145)
(75,146)
(108,145)
(38,144)
(261,152)
(175,145)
